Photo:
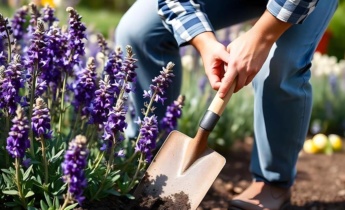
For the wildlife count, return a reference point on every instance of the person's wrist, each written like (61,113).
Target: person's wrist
(203,40)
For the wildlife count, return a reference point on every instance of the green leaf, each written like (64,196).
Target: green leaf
(43,205)
(10,192)
(129,196)
(32,208)
(71,206)
(11,204)
(55,157)
(6,171)
(115,178)
(27,173)
(113,192)
(49,201)
(56,202)
(29,194)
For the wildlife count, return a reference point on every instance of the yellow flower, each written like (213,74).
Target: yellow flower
(320,141)
(309,147)
(336,142)
(48,2)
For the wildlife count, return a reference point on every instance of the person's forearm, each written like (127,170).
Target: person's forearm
(201,41)
(269,28)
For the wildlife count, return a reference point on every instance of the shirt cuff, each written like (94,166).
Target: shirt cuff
(187,27)
(290,11)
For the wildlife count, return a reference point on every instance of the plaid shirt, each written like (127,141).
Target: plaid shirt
(186,19)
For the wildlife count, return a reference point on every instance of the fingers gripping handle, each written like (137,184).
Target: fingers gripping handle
(215,110)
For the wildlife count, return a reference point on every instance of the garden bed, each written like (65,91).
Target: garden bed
(320,183)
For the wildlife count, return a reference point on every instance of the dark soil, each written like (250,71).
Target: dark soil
(320,184)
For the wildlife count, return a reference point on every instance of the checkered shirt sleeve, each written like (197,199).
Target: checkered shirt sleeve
(184,18)
(291,11)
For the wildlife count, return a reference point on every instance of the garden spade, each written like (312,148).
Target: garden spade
(185,168)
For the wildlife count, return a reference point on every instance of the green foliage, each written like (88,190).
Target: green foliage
(337,27)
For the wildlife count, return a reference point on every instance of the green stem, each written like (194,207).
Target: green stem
(62,105)
(136,174)
(45,162)
(9,56)
(7,129)
(109,165)
(32,98)
(76,123)
(18,182)
(67,200)
(98,161)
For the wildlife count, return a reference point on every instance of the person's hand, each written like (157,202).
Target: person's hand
(247,55)
(214,57)
(249,51)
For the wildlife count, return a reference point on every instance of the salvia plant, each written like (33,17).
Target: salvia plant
(64,114)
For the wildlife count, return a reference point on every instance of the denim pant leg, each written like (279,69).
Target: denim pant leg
(283,99)
(154,46)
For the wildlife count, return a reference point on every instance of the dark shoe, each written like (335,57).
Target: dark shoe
(261,196)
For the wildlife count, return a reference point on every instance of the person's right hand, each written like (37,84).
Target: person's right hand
(214,57)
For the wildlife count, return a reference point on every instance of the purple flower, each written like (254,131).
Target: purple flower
(48,15)
(128,66)
(57,47)
(27,162)
(5,31)
(34,16)
(18,22)
(76,34)
(37,60)
(113,66)
(102,43)
(10,85)
(2,76)
(75,161)
(169,121)
(116,122)
(103,101)
(18,139)
(160,83)
(85,86)
(41,120)
(148,135)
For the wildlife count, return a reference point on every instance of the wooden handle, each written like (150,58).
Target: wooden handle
(215,110)
(218,104)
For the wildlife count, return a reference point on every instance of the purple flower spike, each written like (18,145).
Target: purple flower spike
(37,55)
(173,113)
(85,86)
(73,167)
(113,66)
(48,15)
(5,31)
(160,83)
(76,34)
(18,139)
(116,122)
(18,22)
(102,43)
(129,66)
(103,101)
(41,120)
(34,16)
(10,85)
(148,135)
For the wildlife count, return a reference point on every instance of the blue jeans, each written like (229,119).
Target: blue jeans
(283,94)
